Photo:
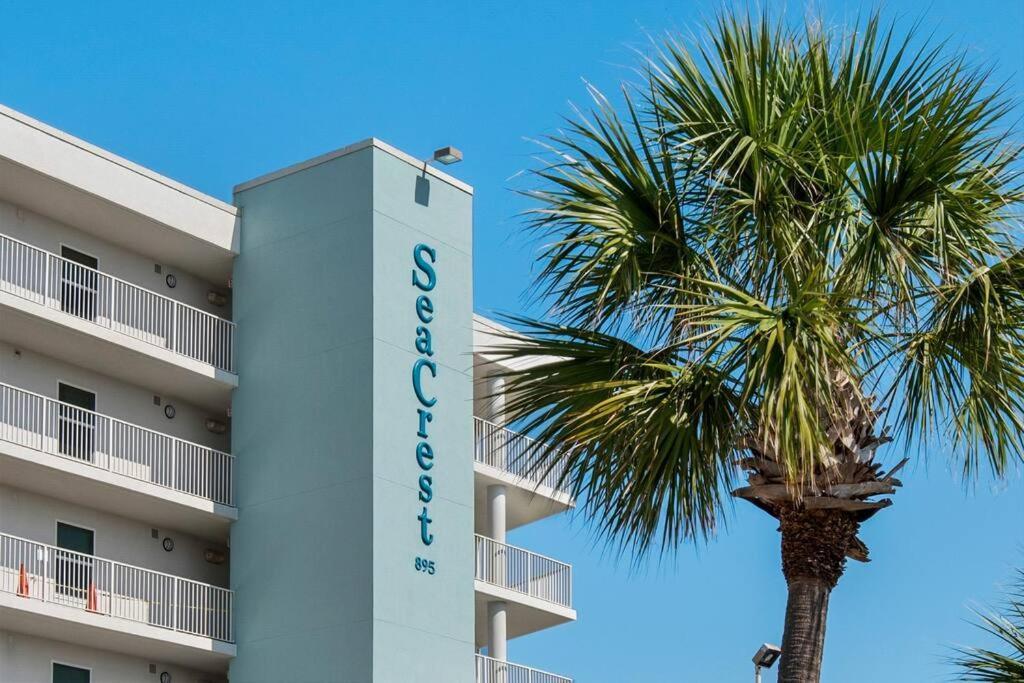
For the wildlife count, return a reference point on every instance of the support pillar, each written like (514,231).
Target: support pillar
(497,630)
(496,512)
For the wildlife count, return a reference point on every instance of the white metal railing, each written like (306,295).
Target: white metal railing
(56,282)
(520,570)
(490,670)
(37,571)
(514,453)
(61,429)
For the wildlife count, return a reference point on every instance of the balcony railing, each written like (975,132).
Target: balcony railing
(496,671)
(514,453)
(37,571)
(520,570)
(55,282)
(64,430)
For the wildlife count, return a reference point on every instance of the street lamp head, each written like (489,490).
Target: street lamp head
(767,655)
(447,155)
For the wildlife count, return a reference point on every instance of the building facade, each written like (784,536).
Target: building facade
(257,441)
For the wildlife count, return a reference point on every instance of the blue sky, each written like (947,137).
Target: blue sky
(212,95)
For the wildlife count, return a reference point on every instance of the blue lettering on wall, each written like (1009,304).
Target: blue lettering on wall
(424,278)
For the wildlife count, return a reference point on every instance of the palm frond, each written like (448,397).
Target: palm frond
(776,225)
(982,664)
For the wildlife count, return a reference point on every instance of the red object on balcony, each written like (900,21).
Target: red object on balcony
(22,581)
(90,601)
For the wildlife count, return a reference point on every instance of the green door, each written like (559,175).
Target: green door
(79,283)
(73,570)
(62,673)
(76,433)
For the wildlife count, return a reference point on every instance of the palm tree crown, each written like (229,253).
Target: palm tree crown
(782,234)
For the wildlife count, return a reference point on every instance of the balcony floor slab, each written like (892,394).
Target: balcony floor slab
(69,624)
(526,614)
(61,335)
(525,501)
(79,483)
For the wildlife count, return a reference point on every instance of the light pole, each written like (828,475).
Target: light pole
(765,658)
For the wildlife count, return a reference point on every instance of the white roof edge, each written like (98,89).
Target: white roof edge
(484,328)
(115,159)
(350,149)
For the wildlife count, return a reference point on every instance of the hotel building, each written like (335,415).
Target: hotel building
(260,441)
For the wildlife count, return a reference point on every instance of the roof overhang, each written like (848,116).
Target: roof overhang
(54,174)
(489,336)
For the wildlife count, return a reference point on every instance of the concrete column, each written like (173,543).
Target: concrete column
(496,399)
(496,512)
(497,630)
(496,414)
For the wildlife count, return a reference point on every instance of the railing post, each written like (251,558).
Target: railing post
(45,428)
(46,281)
(174,605)
(112,591)
(110,443)
(531,558)
(174,327)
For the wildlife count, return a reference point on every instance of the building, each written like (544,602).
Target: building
(258,441)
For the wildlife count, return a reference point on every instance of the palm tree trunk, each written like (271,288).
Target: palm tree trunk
(803,641)
(814,546)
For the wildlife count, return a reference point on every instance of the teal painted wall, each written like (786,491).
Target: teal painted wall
(325,428)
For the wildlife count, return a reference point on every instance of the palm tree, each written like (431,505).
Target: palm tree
(782,233)
(979,664)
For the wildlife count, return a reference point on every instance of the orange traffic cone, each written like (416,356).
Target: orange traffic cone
(22,582)
(90,601)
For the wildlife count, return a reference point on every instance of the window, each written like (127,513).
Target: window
(64,673)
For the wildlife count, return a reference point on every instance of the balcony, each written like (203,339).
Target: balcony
(537,589)
(46,445)
(502,456)
(36,285)
(495,671)
(58,593)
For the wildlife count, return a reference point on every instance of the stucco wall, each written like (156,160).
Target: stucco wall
(35,518)
(325,428)
(27,659)
(48,234)
(41,374)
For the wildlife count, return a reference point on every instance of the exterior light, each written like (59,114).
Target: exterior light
(765,658)
(447,155)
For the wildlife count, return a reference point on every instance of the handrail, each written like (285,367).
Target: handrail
(514,453)
(65,430)
(523,571)
(112,302)
(490,670)
(48,573)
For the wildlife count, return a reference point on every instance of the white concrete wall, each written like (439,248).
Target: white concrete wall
(483,401)
(41,374)
(46,233)
(35,517)
(27,659)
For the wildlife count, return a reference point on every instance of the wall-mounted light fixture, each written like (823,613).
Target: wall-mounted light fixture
(215,556)
(447,155)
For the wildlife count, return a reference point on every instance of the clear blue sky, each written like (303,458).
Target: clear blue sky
(215,96)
